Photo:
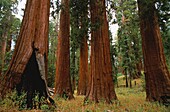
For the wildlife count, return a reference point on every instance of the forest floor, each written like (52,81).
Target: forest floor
(129,100)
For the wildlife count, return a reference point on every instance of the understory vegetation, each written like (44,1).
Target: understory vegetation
(129,100)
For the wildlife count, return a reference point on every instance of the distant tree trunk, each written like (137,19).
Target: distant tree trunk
(130,78)
(74,83)
(28,68)
(9,42)
(130,81)
(102,86)
(3,50)
(83,71)
(73,75)
(89,76)
(3,42)
(139,69)
(126,61)
(156,73)
(63,79)
(126,77)
(138,66)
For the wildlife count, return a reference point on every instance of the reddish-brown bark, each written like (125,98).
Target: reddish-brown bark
(63,79)
(28,67)
(156,72)
(102,87)
(83,70)
(3,50)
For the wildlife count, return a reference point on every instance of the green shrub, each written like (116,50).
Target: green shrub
(143,84)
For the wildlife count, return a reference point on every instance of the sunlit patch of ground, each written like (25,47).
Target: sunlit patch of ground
(129,100)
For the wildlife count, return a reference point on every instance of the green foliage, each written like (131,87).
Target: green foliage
(45,108)
(163,13)
(86,102)
(129,40)
(52,53)
(79,21)
(164,22)
(79,30)
(6,17)
(8,57)
(143,84)
(8,100)
(12,100)
(15,28)
(9,28)
(74,66)
(21,101)
(114,59)
(129,99)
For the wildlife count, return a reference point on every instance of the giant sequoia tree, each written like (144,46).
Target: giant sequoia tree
(156,73)
(28,67)
(83,71)
(102,87)
(63,79)
(79,30)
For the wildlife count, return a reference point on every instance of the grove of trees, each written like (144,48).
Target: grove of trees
(72,50)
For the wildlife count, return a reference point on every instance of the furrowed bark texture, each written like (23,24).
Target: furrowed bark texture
(102,87)
(83,71)
(63,79)
(28,67)
(156,72)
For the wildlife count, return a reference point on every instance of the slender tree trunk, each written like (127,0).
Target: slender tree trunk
(138,66)
(130,78)
(126,62)
(28,68)
(3,50)
(156,73)
(3,44)
(73,75)
(83,71)
(139,69)
(74,83)
(63,79)
(102,86)
(9,42)
(126,77)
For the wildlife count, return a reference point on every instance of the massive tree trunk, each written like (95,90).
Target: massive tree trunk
(28,67)
(156,73)
(63,79)
(102,86)
(83,71)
